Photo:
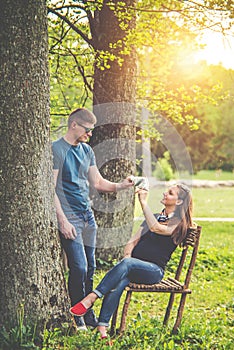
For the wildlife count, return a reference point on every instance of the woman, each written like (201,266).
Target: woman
(145,255)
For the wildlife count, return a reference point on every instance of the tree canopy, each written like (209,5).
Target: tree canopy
(169,84)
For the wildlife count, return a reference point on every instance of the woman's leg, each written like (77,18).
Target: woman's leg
(103,331)
(114,282)
(110,302)
(133,270)
(110,281)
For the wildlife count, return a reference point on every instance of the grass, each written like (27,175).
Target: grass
(208,202)
(208,317)
(218,175)
(214,202)
(214,175)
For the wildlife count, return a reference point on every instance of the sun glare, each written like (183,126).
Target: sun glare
(218,50)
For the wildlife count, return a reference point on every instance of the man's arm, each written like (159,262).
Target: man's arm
(100,184)
(67,229)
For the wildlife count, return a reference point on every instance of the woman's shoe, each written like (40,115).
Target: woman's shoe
(108,342)
(103,337)
(79,309)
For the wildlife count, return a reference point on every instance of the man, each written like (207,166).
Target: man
(74,170)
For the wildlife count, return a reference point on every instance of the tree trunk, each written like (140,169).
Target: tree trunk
(31,266)
(114,137)
(146,152)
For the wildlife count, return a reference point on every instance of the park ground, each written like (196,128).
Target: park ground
(208,316)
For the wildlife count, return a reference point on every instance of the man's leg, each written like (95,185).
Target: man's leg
(89,238)
(77,263)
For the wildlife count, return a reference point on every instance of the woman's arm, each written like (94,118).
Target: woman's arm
(151,221)
(132,243)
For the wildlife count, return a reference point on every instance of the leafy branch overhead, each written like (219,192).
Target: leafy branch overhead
(164,35)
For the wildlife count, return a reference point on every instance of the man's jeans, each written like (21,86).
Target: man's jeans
(114,282)
(81,255)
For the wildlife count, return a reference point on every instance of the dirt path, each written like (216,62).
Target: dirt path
(192,183)
(141,218)
(215,219)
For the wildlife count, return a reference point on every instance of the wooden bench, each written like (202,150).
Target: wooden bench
(169,285)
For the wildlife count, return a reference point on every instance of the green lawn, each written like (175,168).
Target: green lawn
(208,202)
(207,320)
(208,316)
(214,202)
(217,175)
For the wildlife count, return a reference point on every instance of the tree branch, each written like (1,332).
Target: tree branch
(77,30)
(81,70)
(91,20)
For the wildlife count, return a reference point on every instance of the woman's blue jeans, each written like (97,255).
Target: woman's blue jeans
(114,282)
(81,255)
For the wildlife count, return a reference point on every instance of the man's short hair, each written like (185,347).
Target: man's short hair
(82,115)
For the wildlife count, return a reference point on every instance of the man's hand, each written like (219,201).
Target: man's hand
(126,183)
(67,229)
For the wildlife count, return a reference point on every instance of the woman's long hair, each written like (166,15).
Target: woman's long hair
(183,212)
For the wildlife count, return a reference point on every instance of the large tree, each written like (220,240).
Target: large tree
(114,138)
(31,275)
(105,31)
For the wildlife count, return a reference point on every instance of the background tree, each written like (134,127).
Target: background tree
(220,120)
(31,271)
(210,98)
(105,32)
(211,145)
(114,138)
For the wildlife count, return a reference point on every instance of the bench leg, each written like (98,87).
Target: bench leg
(179,313)
(125,311)
(169,307)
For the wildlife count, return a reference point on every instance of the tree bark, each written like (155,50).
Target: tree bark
(114,137)
(31,271)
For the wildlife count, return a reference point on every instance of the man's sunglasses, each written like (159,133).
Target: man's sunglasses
(87,130)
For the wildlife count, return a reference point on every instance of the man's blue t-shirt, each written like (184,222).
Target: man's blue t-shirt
(72,186)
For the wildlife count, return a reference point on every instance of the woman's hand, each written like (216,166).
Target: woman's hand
(142,195)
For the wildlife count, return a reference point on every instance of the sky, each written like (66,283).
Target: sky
(219,49)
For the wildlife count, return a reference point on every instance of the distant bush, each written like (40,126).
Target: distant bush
(163,169)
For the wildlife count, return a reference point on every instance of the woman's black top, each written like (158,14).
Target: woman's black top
(154,247)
